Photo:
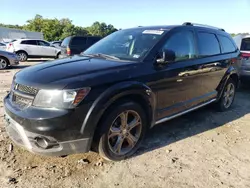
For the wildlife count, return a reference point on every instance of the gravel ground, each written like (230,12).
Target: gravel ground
(202,149)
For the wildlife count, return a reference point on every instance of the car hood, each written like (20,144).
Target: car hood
(51,74)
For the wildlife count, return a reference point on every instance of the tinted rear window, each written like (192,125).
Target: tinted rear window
(227,44)
(245,45)
(65,42)
(92,40)
(208,44)
(29,42)
(79,41)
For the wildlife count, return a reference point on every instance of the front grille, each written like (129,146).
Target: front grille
(27,89)
(23,96)
(21,101)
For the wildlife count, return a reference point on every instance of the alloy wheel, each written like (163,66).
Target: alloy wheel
(228,95)
(124,132)
(22,56)
(3,63)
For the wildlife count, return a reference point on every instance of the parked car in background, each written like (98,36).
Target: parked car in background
(108,97)
(7,59)
(31,48)
(73,45)
(243,43)
(2,46)
(56,43)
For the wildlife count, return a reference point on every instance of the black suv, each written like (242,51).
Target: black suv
(108,97)
(74,45)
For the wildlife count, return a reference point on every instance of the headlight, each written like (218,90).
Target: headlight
(66,99)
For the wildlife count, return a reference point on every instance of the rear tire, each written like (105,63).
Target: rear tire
(227,97)
(121,131)
(22,56)
(4,63)
(57,56)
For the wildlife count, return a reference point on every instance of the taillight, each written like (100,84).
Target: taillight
(10,44)
(68,51)
(245,56)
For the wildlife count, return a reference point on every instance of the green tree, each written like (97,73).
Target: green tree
(101,29)
(11,26)
(54,29)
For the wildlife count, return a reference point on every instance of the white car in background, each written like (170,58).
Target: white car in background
(243,43)
(32,48)
(2,46)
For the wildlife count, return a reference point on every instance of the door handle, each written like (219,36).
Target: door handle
(179,80)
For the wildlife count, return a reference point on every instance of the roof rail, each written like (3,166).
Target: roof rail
(202,25)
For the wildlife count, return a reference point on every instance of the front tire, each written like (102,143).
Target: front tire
(3,63)
(228,96)
(122,131)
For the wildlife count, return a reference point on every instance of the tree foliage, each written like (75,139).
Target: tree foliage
(54,29)
(234,34)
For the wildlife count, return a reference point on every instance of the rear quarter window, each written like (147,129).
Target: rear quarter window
(208,44)
(65,42)
(79,41)
(92,40)
(227,44)
(245,44)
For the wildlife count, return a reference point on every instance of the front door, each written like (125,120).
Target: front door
(179,82)
(46,49)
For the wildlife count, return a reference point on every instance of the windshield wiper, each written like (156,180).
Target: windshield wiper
(101,55)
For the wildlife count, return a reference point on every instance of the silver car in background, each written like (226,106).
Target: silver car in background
(7,59)
(243,43)
(3,46)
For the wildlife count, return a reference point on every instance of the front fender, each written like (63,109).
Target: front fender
(112,94)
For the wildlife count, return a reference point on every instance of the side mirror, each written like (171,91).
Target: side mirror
(166,56)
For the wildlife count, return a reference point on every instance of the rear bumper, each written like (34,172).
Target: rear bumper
(63,56)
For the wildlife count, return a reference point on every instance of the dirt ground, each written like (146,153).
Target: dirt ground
(202,149)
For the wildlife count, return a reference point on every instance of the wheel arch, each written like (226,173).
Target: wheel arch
(231,73)
(22,51)
(8,62)
(133,91)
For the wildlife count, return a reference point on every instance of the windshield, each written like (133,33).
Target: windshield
(131,44)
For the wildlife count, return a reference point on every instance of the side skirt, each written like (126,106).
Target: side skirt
(184,112)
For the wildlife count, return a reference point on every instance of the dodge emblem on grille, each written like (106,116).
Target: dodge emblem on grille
(16,86)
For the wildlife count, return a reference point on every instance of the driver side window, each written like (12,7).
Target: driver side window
(182,45)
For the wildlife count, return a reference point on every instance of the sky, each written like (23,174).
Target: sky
(231,15)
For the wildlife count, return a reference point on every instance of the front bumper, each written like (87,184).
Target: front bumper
(28,141)
(25,129)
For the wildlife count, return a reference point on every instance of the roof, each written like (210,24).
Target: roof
(158,27)
(169,27)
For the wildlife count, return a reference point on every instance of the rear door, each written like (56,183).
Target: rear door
(31,47)
(78,45)
(214,60)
